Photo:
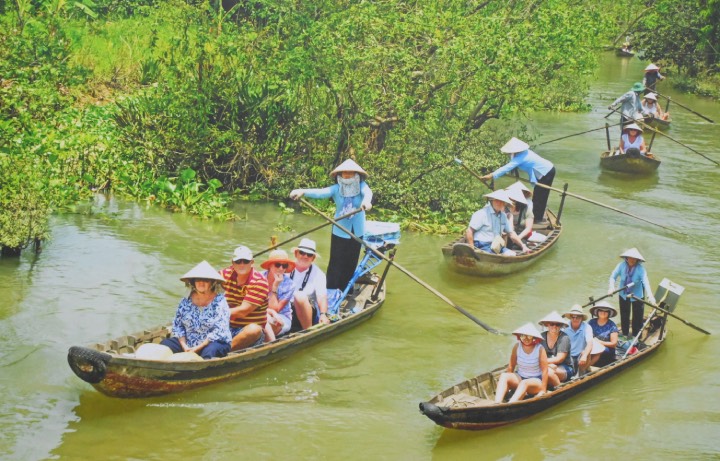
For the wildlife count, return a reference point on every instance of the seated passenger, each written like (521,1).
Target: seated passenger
(605,332)
(488,224)
(520,214)
(246,291)
(202,319)
(632,140)
(557,348)
(651,107)
(310,298)
(531,376)
(581,338)
(279,313)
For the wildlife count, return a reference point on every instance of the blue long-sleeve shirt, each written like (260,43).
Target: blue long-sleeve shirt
(528,161)
(356,222)
(639,278)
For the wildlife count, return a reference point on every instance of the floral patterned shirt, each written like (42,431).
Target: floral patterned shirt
(198,323)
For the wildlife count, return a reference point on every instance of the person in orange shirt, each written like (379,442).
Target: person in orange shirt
(246,291)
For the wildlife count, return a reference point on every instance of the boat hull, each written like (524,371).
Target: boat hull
(118,374)
(464,259)
(657,123)
(631,164)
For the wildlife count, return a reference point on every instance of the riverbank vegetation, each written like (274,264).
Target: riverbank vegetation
(193,104)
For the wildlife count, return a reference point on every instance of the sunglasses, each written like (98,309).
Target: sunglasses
(302,253)
(555,324)
(526,337)
(576,316)
(242,261)
(283,265)
(602,310)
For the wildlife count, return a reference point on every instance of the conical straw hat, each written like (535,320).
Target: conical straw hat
(349,165)
(528,329)
(499,194)
(633,253)
(553,317)
(514,146)
(202,271)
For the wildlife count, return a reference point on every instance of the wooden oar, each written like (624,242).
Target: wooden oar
(671,315)
(684,107)
(648,127)
(578,134)
(593,300)
(402,269)
(580,197)
(611,112)
(460,162)
(304,233)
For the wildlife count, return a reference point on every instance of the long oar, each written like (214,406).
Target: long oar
(684,107)
(594,300)
(648,127)
(460,162)
(671,315)
(611,112)
(305,233)
(578,134)
(402,269)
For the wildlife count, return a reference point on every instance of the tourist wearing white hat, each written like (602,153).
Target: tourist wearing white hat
(350,193)
(581,338)
(202,319)
(488,224)
(631,269)
(631,104)
(557,347)
(605,332)
(527,371)
(538,169)
(652,75)
(310,300)
(520,213)
(279,314)
(651,107)
(632,140)
(247,292)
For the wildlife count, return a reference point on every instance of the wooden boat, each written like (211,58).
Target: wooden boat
(471,404)
(629,163)
(657,123)
(624,53)
(466,259)
(112,368)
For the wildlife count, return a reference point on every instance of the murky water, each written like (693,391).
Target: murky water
(355,396)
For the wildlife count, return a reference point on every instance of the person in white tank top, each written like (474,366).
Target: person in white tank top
(527,371)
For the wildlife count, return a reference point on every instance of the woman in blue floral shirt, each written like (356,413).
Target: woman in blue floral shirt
(202,320)
(605,332)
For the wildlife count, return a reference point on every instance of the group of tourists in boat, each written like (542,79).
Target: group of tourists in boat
(570,343)
(289,295)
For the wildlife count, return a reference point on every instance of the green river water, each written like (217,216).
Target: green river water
(355,396)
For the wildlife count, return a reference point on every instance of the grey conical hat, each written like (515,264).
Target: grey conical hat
(632,253)
(202,271)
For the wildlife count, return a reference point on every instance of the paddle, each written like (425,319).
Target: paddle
(593,300)
(304,233)
(685,107)
(460,162)
(648,127)
(402,269)
(611,112)
(671,315)
(578,134)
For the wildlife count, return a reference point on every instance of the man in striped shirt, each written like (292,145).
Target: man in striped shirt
(247,292)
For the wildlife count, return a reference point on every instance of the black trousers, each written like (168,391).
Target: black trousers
(540,195)
(638,311)
(344,254)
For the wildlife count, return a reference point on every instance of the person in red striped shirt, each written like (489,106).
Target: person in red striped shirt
(246,291)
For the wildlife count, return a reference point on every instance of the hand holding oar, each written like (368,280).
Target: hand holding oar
(647,127)
(593,300)
(578,134)
(305,233)
(684,107)
(612,111)
(402,269)
(460,162)
(671,315)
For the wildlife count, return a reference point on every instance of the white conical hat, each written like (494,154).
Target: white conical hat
(632,126)
(553,317)
(603,305)
(633,253)
(202,271)
(651,96)
(652,67)
(521,186)
(516,194)
(528,329)
(514,146)
(348,165)
(499,194)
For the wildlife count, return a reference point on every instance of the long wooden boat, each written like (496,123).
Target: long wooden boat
(466,259)
(658,123)
(629,163)
(112,368)
(471,404)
